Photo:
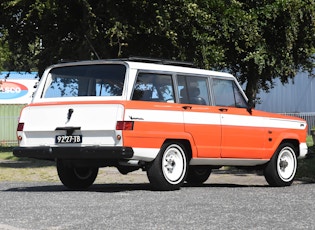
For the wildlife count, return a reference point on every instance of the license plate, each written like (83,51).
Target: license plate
(68,139)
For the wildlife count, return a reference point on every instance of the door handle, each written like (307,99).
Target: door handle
(186,107)
(223,109)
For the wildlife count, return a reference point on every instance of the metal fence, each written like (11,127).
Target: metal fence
(9,115)
(8,126)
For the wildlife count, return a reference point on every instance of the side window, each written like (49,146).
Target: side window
(240,101)
(153,87)
(226,93)
(193,90)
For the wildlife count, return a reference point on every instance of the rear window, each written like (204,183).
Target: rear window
(85,80)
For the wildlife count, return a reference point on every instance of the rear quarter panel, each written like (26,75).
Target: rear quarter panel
(153,124)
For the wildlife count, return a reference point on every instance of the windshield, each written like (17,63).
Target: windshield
(85,80)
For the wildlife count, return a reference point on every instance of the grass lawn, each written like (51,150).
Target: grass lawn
(22,169)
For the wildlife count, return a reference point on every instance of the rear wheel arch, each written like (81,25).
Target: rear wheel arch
(185,143)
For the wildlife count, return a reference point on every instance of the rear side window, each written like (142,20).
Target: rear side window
(226,93)
(153,87)
(193,90)
(85,80)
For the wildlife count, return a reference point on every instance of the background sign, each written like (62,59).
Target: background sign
(17,91)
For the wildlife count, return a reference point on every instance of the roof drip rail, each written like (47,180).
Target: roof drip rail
(160,61)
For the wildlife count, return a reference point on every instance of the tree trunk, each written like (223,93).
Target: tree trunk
(252,89)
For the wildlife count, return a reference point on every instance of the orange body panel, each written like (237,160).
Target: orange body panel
(152,134)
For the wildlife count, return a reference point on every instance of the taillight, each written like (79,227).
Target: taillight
(20,127)
(124,125)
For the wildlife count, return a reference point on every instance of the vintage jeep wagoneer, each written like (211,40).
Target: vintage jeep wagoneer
(175,122)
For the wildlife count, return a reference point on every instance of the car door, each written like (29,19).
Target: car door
(202,121)
(243,133)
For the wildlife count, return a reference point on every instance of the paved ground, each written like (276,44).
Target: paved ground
(224,205)
(34,198)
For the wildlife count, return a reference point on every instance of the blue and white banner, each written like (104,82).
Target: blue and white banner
(17,91)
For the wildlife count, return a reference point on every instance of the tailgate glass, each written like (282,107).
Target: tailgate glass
(85,80)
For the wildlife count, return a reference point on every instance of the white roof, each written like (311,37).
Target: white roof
(174,68)
(149,66)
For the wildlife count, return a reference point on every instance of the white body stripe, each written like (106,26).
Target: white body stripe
(154,115)
(204,118)
(252,121)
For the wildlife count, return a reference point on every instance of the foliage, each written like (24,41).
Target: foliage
(268,39)
(256,40)
(306,168)
(4,53)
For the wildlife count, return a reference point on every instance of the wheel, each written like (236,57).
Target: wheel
(168,171)
(281,169)
(76,177)
(198,174)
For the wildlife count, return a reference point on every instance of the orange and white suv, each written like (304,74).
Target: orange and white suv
(175,122)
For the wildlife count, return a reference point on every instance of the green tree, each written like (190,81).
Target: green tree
(255,40)
(4,53)
(264,40)
(40,33)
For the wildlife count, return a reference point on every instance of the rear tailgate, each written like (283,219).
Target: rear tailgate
(94,124)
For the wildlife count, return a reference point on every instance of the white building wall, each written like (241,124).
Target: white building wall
(295,97)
